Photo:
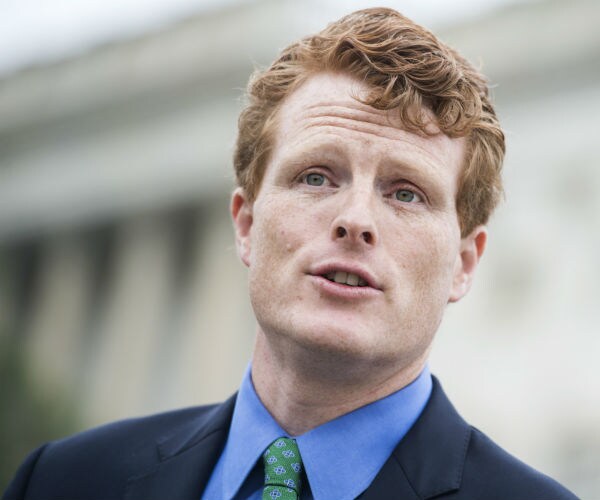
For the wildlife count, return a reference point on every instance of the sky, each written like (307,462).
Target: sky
(39,31)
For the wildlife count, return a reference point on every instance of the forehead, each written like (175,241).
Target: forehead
(327,107)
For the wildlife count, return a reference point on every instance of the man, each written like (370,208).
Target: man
(368,162)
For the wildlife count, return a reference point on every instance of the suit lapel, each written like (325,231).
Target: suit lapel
(185,459)
(391,482)
(429,460)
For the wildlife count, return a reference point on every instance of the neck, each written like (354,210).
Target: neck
(303,389)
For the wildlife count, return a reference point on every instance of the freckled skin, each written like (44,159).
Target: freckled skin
(413,249)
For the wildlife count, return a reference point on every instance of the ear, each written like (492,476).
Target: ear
(471,250)
(241,213)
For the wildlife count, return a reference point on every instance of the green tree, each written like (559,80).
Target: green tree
(28,415)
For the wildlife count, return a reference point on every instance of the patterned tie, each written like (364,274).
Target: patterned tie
(283,467)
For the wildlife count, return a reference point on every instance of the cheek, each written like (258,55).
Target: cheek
(277,239)
(275,236)
(428,252)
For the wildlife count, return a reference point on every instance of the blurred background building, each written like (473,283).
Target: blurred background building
(120,290)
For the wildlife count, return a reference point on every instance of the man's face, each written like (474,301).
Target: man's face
(353,243)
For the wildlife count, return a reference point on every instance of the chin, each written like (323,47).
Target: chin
(347,340)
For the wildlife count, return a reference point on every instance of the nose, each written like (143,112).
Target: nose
(355,221)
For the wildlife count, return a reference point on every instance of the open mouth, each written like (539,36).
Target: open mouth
(344,278)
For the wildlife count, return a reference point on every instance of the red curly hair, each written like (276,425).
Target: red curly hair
(407,68)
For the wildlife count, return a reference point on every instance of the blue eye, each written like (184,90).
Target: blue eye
(406,196)
(315,179)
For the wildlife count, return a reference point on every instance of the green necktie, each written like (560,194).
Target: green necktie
(283,467)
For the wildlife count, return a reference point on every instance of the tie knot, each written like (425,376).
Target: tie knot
(283,467)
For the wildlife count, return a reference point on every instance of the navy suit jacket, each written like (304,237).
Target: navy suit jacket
(172,455)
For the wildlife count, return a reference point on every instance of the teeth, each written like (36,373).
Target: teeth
(345,278)
(352,279)
(340,277)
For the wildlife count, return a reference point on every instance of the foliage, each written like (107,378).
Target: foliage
(28,415)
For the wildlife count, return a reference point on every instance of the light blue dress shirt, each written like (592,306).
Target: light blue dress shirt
(352,448)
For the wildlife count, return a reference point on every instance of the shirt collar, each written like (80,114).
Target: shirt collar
(352,448)
(252,430)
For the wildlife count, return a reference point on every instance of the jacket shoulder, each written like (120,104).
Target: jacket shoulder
(99,461)
(491,472)
(442,456)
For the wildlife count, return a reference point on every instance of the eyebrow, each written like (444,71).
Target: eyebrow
(322,150)
(325,145)
(392,166)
